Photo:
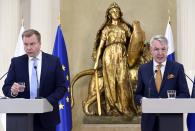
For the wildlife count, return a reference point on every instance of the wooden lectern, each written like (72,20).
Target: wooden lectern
(170,111)
(20,112)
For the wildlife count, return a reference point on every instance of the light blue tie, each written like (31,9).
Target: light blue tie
(34,80)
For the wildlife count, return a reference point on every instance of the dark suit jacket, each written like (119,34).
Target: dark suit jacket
(173,79)
(52,84)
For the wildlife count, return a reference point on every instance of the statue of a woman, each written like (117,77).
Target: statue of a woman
(110,53)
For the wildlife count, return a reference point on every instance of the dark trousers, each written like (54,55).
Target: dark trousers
(156,124)
(38,126)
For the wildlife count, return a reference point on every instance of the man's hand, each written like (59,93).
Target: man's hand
(15,89)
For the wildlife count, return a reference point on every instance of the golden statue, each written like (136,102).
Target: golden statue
(118,51)
(112,55)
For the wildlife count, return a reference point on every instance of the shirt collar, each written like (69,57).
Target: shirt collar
(163,64)
(38,56)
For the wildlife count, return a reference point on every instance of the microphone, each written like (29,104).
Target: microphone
(149,83)
(35,67)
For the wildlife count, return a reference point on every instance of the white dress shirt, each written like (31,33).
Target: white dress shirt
(162,67)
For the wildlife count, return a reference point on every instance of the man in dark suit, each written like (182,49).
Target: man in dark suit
(49,83)
(158,76)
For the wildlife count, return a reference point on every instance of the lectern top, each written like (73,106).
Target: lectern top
(21,105)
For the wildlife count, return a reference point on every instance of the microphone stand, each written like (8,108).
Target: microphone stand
(3,75)
(3,97)
(189,79)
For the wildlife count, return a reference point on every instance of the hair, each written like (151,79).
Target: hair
(30,32)
(108,21)
(160,38)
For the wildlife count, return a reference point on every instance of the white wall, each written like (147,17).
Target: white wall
(186,38)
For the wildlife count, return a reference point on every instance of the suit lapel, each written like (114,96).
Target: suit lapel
(26,71)
(43,70)
(151,76)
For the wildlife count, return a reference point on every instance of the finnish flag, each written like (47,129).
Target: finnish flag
(169,36)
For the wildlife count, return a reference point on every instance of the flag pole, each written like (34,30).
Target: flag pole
(169,19)
(59,20)
(22,21)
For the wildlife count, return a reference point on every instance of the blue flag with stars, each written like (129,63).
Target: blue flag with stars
(64,104)
(191,116)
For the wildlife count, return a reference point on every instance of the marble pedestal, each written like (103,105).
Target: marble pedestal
(110,127)
(110,123)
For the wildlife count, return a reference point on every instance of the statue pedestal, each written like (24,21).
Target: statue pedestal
(111,120)
(110,127)
(110,123)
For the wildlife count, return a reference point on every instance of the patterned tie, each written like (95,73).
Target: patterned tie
(34,82)
(158,79)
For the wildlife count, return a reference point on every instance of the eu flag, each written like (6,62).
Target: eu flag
(191,116)
(64,104)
